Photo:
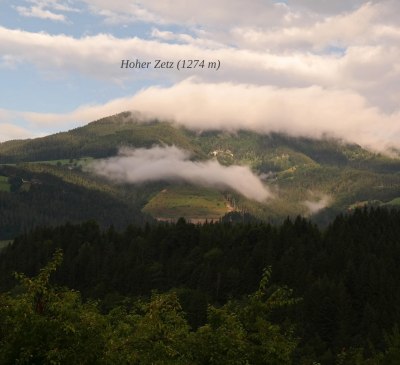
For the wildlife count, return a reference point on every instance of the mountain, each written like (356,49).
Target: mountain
(44,181)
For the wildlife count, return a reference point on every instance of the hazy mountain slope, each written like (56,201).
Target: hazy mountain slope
(306,176)
(98,139)
(275,152)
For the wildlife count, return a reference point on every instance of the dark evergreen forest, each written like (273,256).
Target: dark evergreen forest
(345,278)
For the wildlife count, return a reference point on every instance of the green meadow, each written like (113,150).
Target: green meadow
(187,201)
(4,185)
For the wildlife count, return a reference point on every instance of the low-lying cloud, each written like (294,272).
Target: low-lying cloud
(173,164)
(10,132)
(317,203)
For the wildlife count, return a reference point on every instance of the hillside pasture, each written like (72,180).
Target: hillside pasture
(193,203)
(4,185)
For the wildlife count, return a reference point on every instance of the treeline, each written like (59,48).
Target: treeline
(347,275)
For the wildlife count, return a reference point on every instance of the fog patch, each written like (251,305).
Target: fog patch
(172,164)
(317,202)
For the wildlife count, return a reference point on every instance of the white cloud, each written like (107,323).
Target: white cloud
(172,164)
(310,111)
(369,70)
(196,12)
(10,131)
(317,202)
(79,116)
(9,62)
(100,57)
(275,71)
(39,12)
(287,20)
(45,9)
(122,11)
(339,30)
(202,42)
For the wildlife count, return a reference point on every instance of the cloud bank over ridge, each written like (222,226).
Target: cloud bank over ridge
(308,111)
(311,111)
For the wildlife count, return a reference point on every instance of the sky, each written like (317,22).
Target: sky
(302,67)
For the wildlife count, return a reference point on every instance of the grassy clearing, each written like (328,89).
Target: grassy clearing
(4,244)
(395,201)
(4,185)
(367,203)
(187,201)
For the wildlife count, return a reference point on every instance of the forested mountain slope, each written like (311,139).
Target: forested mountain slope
(318,178)
(40,195)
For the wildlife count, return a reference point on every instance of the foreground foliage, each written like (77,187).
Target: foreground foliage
(41,324)
(347,276)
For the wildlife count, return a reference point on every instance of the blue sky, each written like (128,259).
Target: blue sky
(303,67)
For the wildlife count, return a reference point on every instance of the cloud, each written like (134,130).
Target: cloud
(39,12)
(290,21)
(44,9)
(185,38)
(340,30)
(100,57)
(9,62)
(129,13)
(327,6)
(82,115)
(10,132)
(317,203)
(313,69)
(172,164)
(195,12)
(310,111)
